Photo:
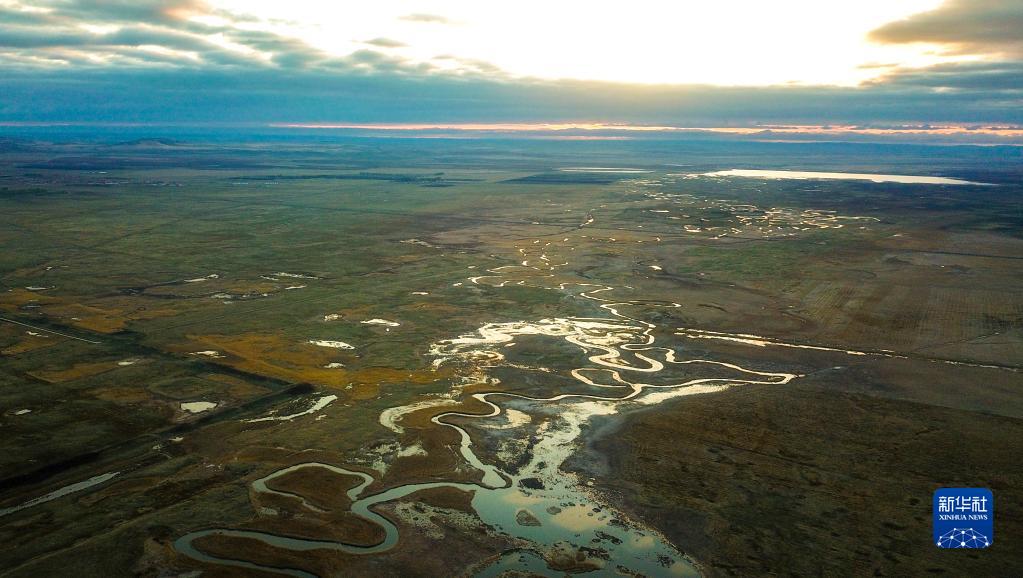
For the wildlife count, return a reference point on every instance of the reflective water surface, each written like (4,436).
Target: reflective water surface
(773,174)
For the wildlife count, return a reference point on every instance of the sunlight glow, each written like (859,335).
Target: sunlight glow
(728,42)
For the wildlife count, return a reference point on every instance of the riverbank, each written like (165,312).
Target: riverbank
(807,480)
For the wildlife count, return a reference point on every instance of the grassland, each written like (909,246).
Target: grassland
(144,275)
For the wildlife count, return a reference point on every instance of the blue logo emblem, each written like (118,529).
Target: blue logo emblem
(964,517)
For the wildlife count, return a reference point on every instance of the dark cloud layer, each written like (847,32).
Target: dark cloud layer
(994,77)
(967,26)
(274,95)
(989,28)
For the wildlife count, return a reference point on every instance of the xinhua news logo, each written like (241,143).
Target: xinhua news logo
(964,518)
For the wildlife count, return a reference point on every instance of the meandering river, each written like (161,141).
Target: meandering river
(538,503)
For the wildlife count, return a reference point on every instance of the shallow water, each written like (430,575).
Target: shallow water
(539,502)
(602,170)
(877,178)
(61,492)
(319,404)
(197,406)
(332,344)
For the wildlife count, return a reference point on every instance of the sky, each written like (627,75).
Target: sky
(872,64)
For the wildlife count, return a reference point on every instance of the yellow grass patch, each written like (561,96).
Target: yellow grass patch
(274,356)
(77,371)
(15,298)
(235,287)
(32,343)
(300,362)
(87,317)
(101,316)
(237,387)
(122,394)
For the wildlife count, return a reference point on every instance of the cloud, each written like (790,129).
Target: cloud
(991,76)
(385,43)
(149,11)
(162,33)
(21,37)
(355,90)
(962,26)
(132,44)
(990,29)
(155,61)
(13,17)
(472,66)
(429,18)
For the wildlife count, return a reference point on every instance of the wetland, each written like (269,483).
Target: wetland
(318,356)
